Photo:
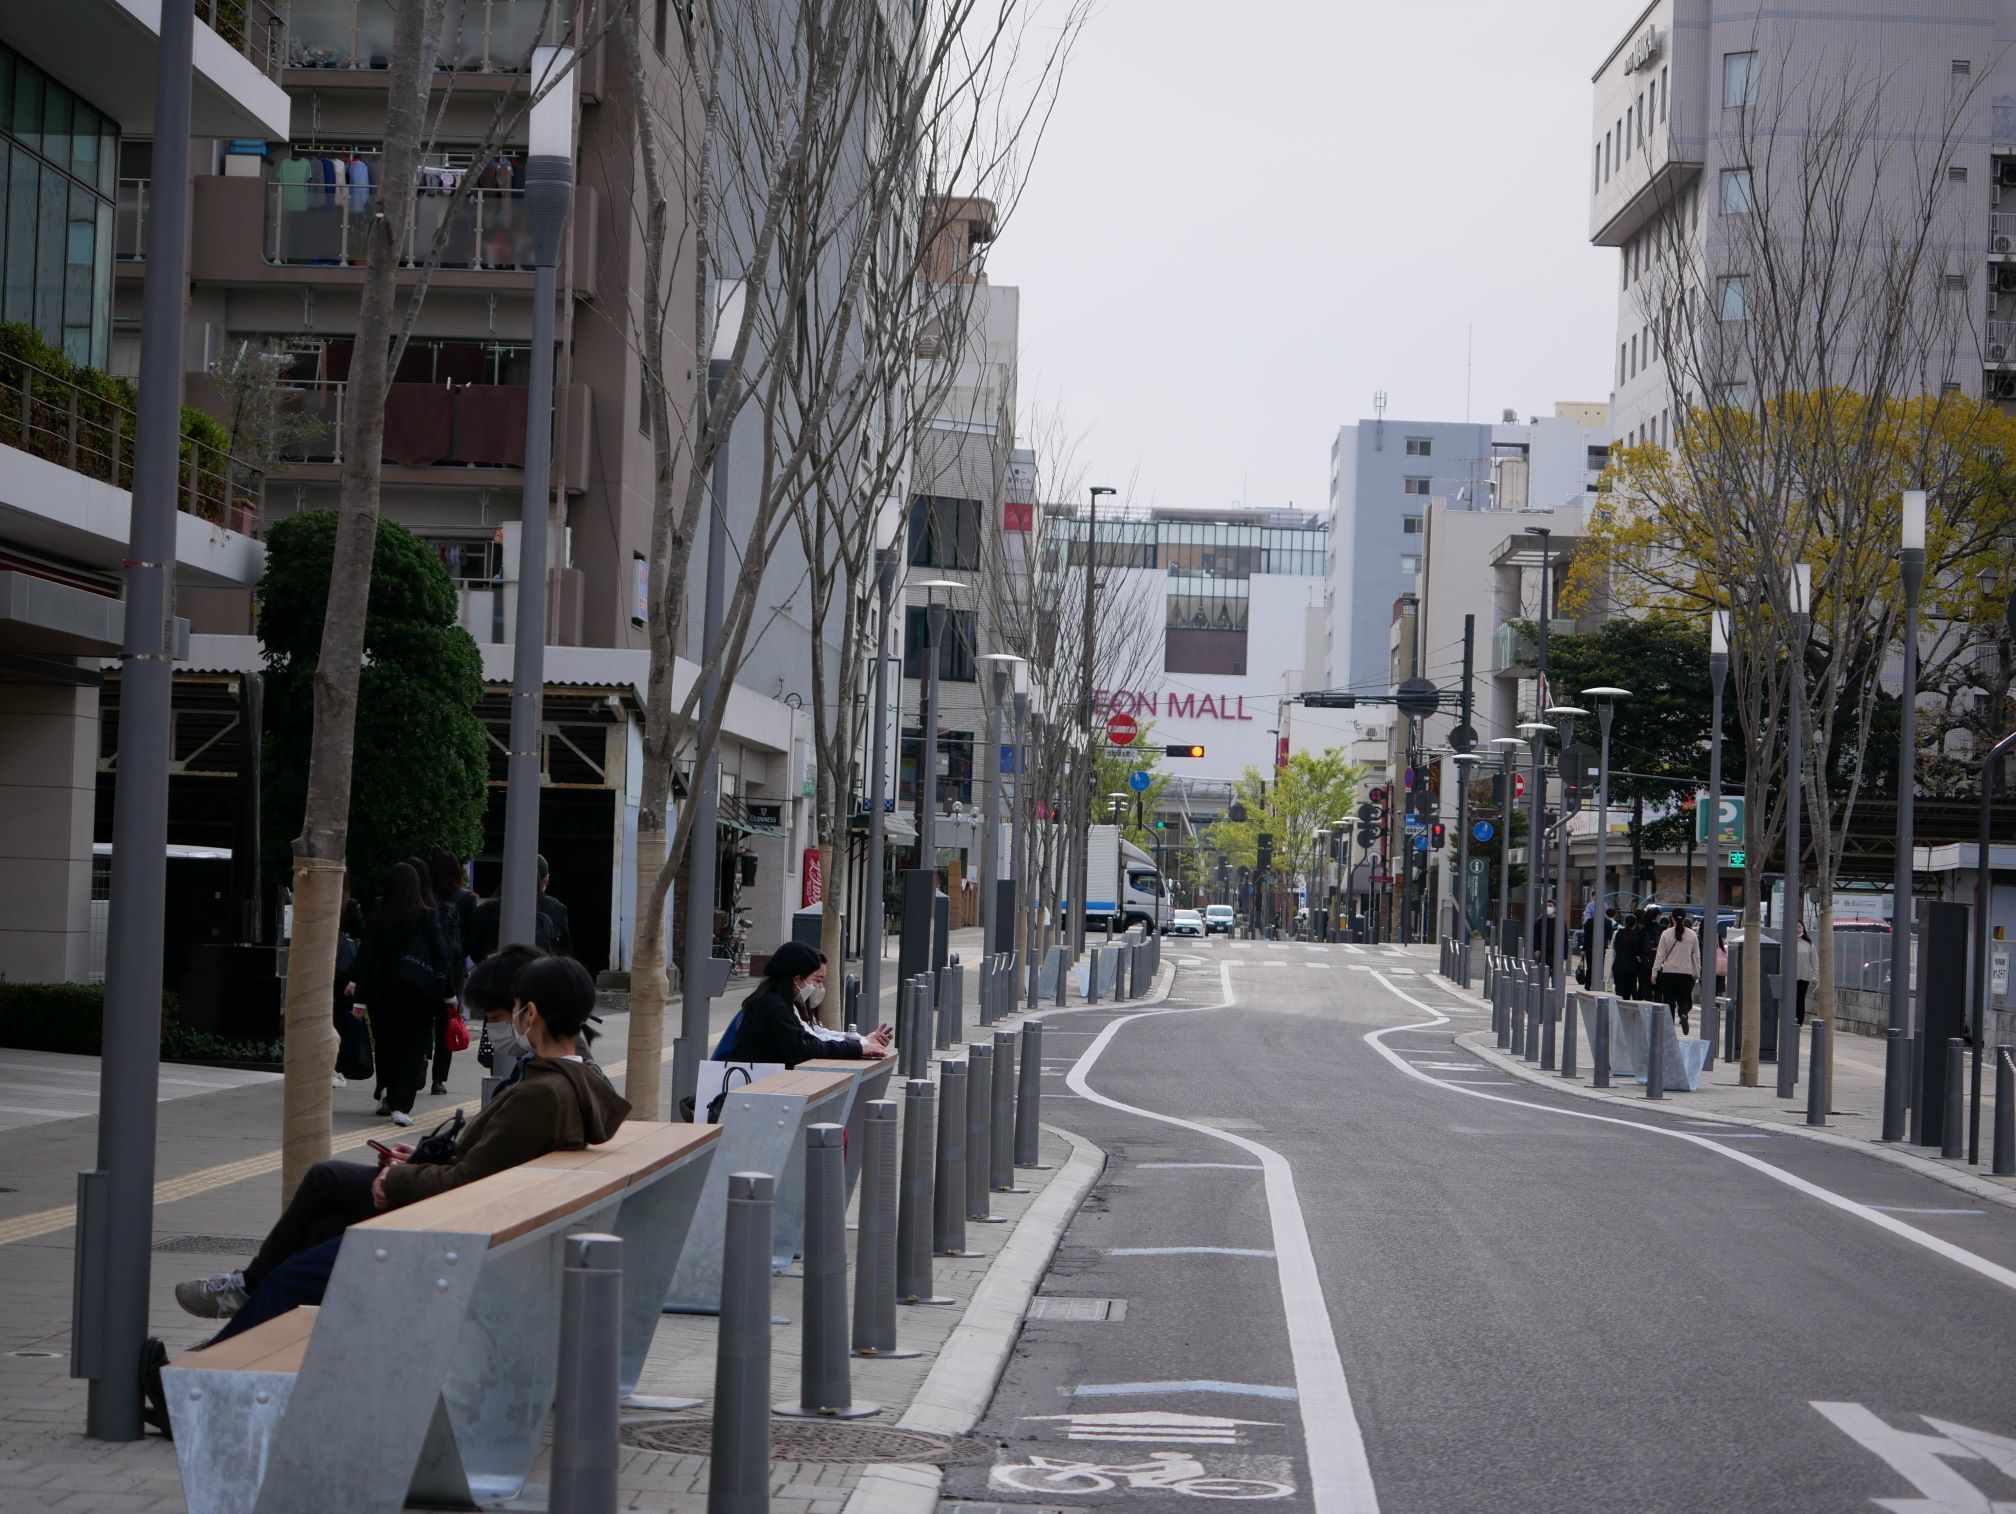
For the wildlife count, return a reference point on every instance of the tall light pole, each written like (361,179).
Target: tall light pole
(1508,763)
(1606,707)
(998,882)
(1536,735)
(1564,715)
(1711,899)
(115,1208)
(921,947)
(1465,762)
(1897,1058)
(696,989)
(1800,588)
(878,785)
(1089,779)
(549,194)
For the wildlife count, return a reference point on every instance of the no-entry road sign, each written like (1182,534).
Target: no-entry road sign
(1121,729)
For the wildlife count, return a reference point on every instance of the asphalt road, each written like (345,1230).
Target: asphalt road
(1537,1302)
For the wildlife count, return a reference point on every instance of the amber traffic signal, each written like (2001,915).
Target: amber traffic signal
(1182,749)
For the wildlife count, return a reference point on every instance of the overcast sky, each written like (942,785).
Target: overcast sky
(1248,218)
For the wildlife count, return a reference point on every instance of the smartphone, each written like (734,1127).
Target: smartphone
(385,1153)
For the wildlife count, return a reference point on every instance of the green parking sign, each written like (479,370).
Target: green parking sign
(1728,822)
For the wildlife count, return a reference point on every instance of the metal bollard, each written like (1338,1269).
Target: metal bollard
(1599,1045)
(1001,1147)
(1547,1029)
(913,1201)
(1816,1075)
(738,1468)
(1570,1003)
(980,1132)
(1896,1082)
(1091,975)
(1956,1098)
(2005,1112)
(1063,994)
(958,970)
(1501,1007)
(583,1476)
(1711,1030)
(941,1008)
(948,1192)
(875,1259)
(1536,999)
(825,1385)
(851,1015)
(1655,1053)
(1029,1097)
(1515,1018)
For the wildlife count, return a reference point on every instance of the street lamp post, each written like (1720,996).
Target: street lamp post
(922,948)
(1897,1057)
(1536,736)
(549,194)
(998,883)
(1564,715)
(1508,764)
(1606,708)
(878,789)
(1801,593)
(1090,778)
(1711,870)
(1465,763)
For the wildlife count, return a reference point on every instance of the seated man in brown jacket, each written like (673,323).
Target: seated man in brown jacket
(557,1101)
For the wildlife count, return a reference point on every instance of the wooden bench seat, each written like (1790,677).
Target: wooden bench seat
(275,1346)
(636,1151)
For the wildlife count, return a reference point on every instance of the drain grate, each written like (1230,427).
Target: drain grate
(1077,1310)
(210,1245)
(810,1440)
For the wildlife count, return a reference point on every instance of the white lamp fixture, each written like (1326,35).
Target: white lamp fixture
(1607,692)
(1718,633)
(1564,710)
(729,297)
(550,131)
(1531,726)
(1802,588)
(1912,520)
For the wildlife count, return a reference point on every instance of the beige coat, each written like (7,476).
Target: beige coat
(1677,953)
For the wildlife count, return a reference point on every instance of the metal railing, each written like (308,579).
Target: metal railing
(1998,343)
(256,28)
(129,220)
(327,224)
(463,441)
(2002,232)
(479,36)
(87,431)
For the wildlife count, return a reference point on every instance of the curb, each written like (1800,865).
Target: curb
(961,1382)
(1482,1042)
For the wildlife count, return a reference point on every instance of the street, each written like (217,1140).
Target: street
(1536,1303)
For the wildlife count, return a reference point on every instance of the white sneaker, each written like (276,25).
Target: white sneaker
(218,1296)
(337,1080)
(400,1117)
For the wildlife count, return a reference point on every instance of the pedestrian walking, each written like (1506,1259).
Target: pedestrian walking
(1627,957)
(1543,936)
(1676,965)
(455,908)
(1808,971)
(400,983)
(555,935)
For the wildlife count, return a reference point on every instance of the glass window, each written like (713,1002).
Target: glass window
(1414,486)
(1410,565)
(24,178)
(80,267)
(955,652)
(56,123)
(1662,95)
(84,144)
(1410,525)
(1420,446)
(1739,80)
(1733,291)
(1736,396)
(52,217)
(58,162)
(1736,196)
(27,118)
(945,533)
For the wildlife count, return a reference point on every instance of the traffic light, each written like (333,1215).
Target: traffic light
(1436,834)
(1378,795)
(1161,825)
(1739,859)
(1182,749)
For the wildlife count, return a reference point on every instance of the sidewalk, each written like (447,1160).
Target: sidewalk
(1855,1119)
(218,1190)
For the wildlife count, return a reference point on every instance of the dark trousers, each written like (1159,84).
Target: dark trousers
(1799,1003)
(332,1197)
(401,1031)
(301,1279)
(442,1054)
(1628,984)
(1676,991)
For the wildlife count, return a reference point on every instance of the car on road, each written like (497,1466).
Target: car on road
(1218,919)
(1185,922)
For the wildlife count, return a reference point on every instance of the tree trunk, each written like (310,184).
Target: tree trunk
(1822,1007)
(325,826)
(649,987)
(833,890)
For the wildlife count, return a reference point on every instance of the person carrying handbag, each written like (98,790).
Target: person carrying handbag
(402,976)
(1675,967)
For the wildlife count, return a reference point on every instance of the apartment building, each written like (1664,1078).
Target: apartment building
(1386,475)
(76,82)
(1683,106)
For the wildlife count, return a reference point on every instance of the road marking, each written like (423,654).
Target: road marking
(1921,1459)
(1359,950)
(1149,1425)
(1225,1167)
(1478,1082)
(1163,1471)
(1340,1477)
(1735,1135)
(1188,1251)
(1901,1209)
(1993,1271)
(1184,1385)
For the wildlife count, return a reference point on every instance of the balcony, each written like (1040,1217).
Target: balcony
(432,428)
(480,36)
(2001,236)
(257,231)
(1998,345)
(66,472)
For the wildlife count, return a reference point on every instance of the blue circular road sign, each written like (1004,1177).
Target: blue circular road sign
(1138,782)
(1420,841)
(1483,830)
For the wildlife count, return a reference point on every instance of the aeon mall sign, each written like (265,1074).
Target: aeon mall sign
(1156,704)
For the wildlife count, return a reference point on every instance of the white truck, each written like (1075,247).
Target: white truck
(1122,884)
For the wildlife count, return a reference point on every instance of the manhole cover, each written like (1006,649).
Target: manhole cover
(211,1245)
(810,1440)
(1050,1306)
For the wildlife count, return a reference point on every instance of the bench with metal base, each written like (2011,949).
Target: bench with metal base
(430,1366)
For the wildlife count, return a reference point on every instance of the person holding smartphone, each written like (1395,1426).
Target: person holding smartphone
(772,1025)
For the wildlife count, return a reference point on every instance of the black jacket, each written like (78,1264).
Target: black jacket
(377,970)
(772,1032)
(549,928)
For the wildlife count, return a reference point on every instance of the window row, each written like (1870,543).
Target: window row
(956,647)
(945,532)
(1648,111)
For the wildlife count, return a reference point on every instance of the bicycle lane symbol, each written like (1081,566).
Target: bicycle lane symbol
(1159,1470)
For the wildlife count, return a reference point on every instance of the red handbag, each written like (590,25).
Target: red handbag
(458,1033)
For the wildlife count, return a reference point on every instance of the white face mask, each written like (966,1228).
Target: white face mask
(812,995)
(514,1040)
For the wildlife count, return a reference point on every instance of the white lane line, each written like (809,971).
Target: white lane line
(1185,1385)
(1188,1251)
(1993,1271)
(1340,1477)
(1901,1209)
(1355,950)
(1212,1167)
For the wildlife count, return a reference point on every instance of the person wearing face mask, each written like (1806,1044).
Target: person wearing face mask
(555,1101)
(1543,936)
(771,1025)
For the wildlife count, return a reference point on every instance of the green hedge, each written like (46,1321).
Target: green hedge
(70,1017)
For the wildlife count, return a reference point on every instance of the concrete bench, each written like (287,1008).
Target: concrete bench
(429,1368)
(763,1128)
